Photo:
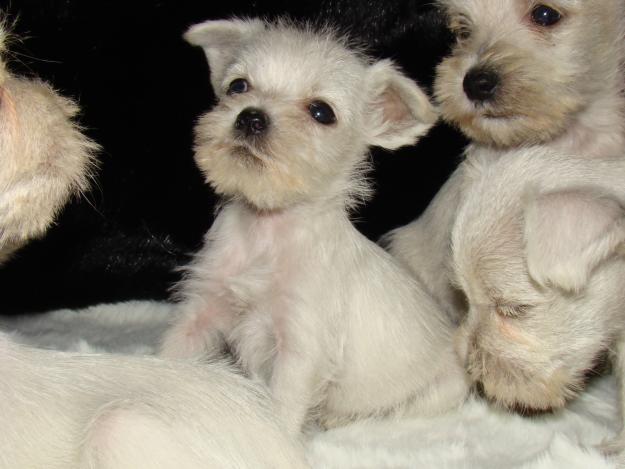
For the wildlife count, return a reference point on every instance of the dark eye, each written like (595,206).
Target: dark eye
(543,15)
(463,34)
(461,27)
(238,86)
(322,112)
(512,311)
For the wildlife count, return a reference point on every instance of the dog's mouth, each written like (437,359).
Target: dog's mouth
(483,115)
(491,111)
(497,116)
(247,155)
(524,410)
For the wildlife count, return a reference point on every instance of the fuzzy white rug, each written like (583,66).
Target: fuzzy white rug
(474,437)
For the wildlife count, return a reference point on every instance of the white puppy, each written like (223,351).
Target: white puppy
(545,75)
(44,158)
(67,411)
(538,246)
(303,300)
(70,411)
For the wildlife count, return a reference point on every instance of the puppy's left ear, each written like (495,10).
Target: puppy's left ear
(221,40)
(568,234)
(398,111)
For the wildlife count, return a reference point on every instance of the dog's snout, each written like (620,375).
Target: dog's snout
(480,84)
(252,121)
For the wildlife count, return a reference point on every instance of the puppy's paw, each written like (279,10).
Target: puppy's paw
(189,338)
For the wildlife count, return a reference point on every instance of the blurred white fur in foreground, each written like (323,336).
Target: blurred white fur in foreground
(69,410)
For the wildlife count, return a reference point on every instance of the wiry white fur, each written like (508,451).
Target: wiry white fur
(569,233)
(538,249)
(44,158)
(335,327)
(62,410)
(561,90)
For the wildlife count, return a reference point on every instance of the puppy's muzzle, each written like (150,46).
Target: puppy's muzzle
(252,122)
(480,84)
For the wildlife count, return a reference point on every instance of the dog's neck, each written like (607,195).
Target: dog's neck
(337,199)
(284,231)
(598,131)
(304,212)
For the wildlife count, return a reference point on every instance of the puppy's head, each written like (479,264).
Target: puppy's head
(297,110)
(544,278)
(521,71)
(44,157)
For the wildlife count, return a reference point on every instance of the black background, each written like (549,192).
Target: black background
(141,88)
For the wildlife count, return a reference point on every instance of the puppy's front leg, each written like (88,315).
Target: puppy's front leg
(197,331)
(293,384)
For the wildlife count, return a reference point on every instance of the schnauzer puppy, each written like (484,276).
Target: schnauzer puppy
(538,246)
(68,411)
(329,320)
(45,158)
(522,74)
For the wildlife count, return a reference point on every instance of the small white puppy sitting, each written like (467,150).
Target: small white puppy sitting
(285,281)
(87,411)
(546,75)
(538,246)
(44,158)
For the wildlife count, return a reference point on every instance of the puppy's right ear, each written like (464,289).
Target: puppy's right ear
(569,233)
(398,111)
(221,39)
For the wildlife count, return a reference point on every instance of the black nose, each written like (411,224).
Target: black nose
(480,84)
(252,121)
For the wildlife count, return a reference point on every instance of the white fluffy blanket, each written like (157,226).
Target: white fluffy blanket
(474,437)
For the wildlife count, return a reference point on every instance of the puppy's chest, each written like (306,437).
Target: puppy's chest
(262,276)
(259,266)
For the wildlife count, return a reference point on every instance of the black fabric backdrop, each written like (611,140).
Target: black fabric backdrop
(141,89)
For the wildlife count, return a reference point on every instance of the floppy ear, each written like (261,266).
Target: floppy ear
(398,111)
(220,40)
(569,233)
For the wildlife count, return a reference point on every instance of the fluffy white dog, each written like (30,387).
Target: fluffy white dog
(70,411)
(327,318)
(530,225)
(538,246)
(521,74)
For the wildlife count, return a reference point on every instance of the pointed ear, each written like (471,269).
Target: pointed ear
(398,111)
(221,40)
(569,233)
